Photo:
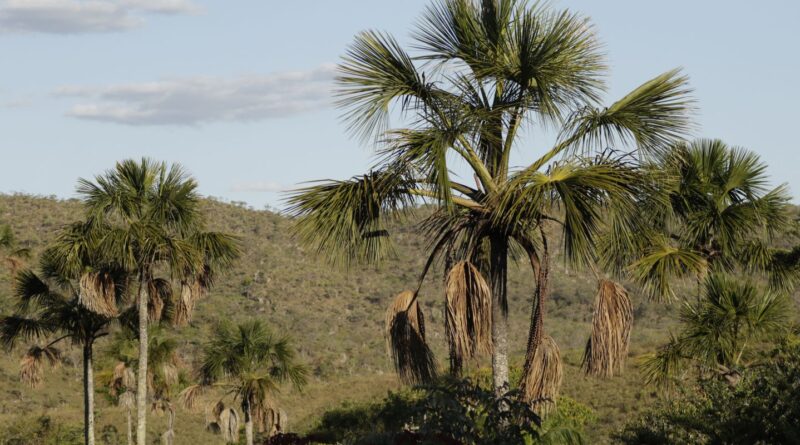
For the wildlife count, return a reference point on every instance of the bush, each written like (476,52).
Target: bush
(452,412)
(762,409)
(41,431)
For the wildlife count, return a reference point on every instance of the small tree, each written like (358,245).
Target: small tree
(719,330)
(249,364)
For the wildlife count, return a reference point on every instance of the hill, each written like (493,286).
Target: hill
(335,317)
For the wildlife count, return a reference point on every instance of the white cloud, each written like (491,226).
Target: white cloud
(83,16)
(258,186)
(199,100)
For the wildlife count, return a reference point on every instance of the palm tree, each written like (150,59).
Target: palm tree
(718,330)
(164,375)
(484,72)
(249,363)
(720,216)
(50,311)
(147,217)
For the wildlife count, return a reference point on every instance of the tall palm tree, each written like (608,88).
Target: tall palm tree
(718,330)
(50,311)
(147,217)
(163,380)
(720,216)
(249,363)
(483,73)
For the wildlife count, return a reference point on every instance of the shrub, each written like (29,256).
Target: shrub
(762,409)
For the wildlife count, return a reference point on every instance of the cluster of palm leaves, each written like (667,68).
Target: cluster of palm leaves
(482,74)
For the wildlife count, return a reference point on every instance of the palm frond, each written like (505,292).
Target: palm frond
(346,220)
(469,311)
(374,72)
(405,335)
(612,322)
(653,116)
(542,375)
(97,293)
(15,328)
(33,362)
(662,265)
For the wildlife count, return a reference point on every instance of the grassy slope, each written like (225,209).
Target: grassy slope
(334,316)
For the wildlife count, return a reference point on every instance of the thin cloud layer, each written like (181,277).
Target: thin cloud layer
(83,16)
(200,100)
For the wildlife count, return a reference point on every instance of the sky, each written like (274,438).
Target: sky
(239,92)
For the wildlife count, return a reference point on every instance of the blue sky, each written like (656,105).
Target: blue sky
(239,91)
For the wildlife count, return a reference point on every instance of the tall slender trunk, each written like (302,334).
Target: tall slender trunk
(499,276)
(141,385)
(88,394)
(130,427)
(248,424)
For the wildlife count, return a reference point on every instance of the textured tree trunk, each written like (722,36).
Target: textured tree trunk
(141,385)
(248,424)
(499,272)
(88,394)
(130,427)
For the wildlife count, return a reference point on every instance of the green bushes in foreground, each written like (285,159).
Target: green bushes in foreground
(762,408)
(453,412)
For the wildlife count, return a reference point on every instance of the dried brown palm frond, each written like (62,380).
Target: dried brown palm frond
(468,321)
(122,379)
(541,379)
(191,394)
(405,336)
(159,293)
(612,321)
(127,399)
(32,364)
(184,305)
(228,421)
(98,293)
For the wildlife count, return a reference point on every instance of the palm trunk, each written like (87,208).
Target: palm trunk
(130,427)
(248,424)
(499,272)
(88,394)
(141,386)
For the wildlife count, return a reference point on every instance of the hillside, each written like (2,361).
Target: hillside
(335,317)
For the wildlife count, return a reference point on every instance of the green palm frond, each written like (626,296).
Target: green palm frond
(346,221)
(577,192)
(653,116)
(375,72)
(15,328)
(662,265)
